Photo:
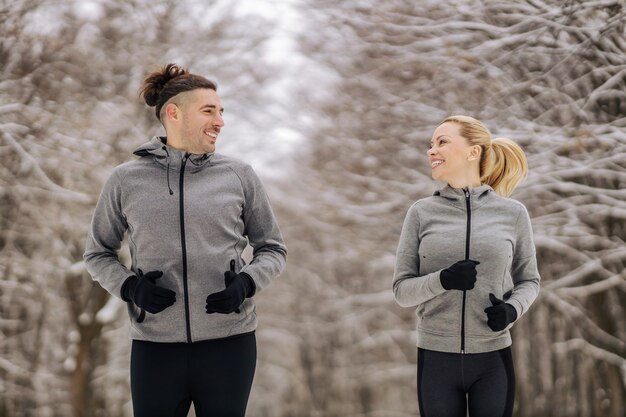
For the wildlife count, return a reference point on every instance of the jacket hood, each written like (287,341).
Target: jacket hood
(456,196)
(168,156)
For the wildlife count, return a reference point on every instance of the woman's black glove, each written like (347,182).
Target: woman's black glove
(144,292)
(238,287)
(460,276)
(500,314)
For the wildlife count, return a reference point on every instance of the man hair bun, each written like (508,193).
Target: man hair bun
(155,82)
(167,82)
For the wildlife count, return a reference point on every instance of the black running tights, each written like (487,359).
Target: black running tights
(215,375)
(453,384)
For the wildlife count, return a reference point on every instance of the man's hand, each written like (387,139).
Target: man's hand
(144,292)
(238,287)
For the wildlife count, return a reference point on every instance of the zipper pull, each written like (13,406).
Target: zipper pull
(466,191)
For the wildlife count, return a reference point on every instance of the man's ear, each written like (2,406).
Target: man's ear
(475,153)
(172,112)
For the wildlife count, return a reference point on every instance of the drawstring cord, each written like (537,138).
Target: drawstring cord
(167,157)
(200,160)
(168,169)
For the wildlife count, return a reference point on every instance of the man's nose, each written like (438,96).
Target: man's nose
(219,121)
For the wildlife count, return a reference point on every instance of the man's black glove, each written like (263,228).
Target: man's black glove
(238,287)
(144,292)
(460,276)
(500,314)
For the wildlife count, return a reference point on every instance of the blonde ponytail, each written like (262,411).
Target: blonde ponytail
(502,162)
(508,166)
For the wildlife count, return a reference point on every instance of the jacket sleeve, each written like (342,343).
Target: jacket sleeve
(104,239)
(524,266)
(409,287)
(269,253)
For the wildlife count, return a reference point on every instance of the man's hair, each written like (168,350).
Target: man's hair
(169,81)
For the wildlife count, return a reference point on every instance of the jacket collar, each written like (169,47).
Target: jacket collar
(167,156)
(456,196)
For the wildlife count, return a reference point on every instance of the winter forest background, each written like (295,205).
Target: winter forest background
(334,103)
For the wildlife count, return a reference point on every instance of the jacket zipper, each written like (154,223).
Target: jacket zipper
(467,253)
(184,246)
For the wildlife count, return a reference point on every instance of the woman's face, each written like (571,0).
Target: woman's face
(452,159)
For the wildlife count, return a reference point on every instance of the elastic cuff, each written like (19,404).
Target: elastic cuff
(249,283)
(436,285)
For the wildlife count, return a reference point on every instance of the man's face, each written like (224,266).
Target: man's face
(201,121)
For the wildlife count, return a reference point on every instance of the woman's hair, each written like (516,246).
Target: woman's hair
(502,162)
(169,81)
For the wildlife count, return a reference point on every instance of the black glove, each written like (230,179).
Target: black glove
(500,314)
(238,287)
(144,292)
(460,276)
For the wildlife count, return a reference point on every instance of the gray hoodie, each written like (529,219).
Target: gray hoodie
(188,216)
(435,236)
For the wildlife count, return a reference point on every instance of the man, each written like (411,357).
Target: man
(189,213)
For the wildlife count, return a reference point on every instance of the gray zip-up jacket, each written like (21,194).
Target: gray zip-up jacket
(457,224)
(188,216)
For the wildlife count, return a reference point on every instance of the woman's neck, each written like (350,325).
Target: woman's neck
(465,184)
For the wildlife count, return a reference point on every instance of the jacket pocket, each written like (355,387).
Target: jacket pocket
(441,315)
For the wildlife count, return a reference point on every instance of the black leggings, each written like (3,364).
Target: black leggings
(450,384)
(216,375)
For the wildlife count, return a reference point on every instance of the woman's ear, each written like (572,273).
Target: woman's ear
(475,153)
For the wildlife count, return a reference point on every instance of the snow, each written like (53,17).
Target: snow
(90,11)
(110,311)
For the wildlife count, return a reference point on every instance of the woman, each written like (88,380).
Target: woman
(466,260)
